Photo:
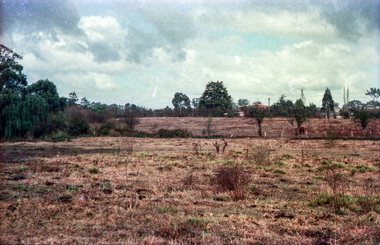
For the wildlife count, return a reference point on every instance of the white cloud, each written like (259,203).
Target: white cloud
(162,51)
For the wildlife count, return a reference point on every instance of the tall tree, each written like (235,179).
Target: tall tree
(257,112)
(48,91)
(374,93)
(181,102)
(364,118)
(327,102)
(243,102)
(303,98)
(73,99)
(11,76)
(300,114)
(215,98)
(195,102)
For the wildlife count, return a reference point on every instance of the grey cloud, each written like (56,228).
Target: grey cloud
(103,52)
(347,15)
(1,19)
(41,15)
(169,28)
(140,44)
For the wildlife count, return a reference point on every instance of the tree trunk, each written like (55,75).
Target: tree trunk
(260,133)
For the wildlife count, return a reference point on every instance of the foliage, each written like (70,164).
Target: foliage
(208,127)
(48,91)
(19,117)
(327,102)
(282,107)
(11,76)
(233,179)
(195,102)
(258,112)
(50,124)
(300,114)
(215,99)
(77,122)
(181,102)
(243,102)
(73,99)
(260,155)
(105,128)
(374,93)
(131,119)
(345,114)
(175,133)
(364,118)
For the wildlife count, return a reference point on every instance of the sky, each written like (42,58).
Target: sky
(144,51)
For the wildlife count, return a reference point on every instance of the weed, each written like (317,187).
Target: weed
(167,210)
(142,155)
(279,171)
(65,198)
(253,188)
(198,222)
(234,179)
(279,163)
(296,166)
(261,155)
(93,170)
(286,156)
(363,168)
(22,169)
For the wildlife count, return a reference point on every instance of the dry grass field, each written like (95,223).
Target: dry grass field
(272,127)
(173,191)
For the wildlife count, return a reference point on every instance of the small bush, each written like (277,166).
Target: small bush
(234,179)
(175,133)
(105,128)
(261,155)
(77,124)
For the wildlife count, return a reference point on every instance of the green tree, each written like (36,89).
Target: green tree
(48,91)
(19,116)
(215,99)
(300,114)
(73,99)
(11,76)
(243,102)
(195,102)
(181,102)
(282,107)
(374,93)
(364,118)
(85,103)
(258,112)
(77,122)
(327,102)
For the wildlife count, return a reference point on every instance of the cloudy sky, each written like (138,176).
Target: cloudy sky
(144,51)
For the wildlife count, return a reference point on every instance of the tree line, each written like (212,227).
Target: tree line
(37,110)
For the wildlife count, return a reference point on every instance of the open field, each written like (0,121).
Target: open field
(157,191)
(272,127)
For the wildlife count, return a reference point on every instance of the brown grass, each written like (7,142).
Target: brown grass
(161,191)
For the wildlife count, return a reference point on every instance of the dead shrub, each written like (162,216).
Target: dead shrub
(234,180)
